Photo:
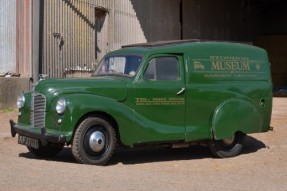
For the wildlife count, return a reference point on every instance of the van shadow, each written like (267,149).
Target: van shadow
(141,155)
(252,145)
(64,156)
(149,155)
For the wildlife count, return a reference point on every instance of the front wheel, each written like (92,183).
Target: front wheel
(229,147)
(94,141)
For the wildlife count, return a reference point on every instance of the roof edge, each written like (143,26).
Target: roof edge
(174,42)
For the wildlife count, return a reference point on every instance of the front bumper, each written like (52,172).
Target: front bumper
(42,135)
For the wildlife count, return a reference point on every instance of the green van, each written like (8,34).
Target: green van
(174,93)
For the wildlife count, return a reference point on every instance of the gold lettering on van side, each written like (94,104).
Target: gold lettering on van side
(230,66)
(198,65)
(229,63)
(160,101)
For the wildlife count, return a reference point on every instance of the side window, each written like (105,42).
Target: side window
(163,68)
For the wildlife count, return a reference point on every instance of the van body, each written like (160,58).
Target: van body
(166,93)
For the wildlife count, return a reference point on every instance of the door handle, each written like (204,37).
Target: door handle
(181,91)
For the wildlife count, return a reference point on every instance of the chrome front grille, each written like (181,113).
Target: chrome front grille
(38,107)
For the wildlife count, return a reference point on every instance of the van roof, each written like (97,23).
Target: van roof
(161,43)
(188,46)
(175,42)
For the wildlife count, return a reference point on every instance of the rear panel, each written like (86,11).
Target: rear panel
(218,72)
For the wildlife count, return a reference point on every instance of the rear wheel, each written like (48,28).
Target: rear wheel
(229,147)
(48,151)
(94,141)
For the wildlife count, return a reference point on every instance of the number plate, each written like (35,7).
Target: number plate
(29,142)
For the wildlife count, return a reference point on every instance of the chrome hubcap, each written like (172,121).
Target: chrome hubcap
(97,141)
(229,140)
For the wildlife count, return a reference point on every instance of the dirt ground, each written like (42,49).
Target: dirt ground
(261,166)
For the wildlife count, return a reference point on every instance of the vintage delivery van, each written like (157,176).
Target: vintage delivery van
(166,93)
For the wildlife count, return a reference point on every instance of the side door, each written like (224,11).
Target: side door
(160,99)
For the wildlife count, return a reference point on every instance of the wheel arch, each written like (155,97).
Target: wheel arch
(82,105)
(233,116)
(100,114)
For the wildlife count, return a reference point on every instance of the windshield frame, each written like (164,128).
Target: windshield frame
(101,63)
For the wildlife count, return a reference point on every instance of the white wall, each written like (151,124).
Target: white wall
(7,36)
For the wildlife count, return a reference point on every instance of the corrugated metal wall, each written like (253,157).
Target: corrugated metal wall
(7,36)
(69,35)
(141,21)
(76,34)
(127,27)
(24,38)
(159,20)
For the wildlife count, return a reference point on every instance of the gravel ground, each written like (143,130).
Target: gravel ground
(261,166)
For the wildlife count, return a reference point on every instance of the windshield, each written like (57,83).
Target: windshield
(126,65)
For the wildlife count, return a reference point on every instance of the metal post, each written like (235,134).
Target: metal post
(35,39)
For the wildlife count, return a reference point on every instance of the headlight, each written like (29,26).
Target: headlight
(61,106)
(20,101)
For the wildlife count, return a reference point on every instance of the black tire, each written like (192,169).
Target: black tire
(228,147)
(94,141)
(48,151)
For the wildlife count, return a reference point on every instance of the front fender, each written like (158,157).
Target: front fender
(236,115)
(79,105)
